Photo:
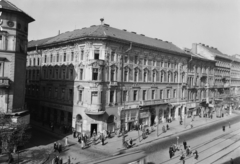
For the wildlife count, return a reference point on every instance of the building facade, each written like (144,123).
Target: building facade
(13,52)
(103,78)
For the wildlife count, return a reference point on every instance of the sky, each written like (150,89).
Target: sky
(212,22)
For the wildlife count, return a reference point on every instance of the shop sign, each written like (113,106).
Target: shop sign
(144,114)
(192,105)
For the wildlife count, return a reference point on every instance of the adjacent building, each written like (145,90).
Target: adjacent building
(103,78)
(13,53)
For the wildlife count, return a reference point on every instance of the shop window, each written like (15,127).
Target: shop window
(95,74)
(94,97)
(144,95)
(96,54)
(135,95)
(81,74)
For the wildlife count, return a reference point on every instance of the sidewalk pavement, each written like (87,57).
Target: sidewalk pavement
(114,144)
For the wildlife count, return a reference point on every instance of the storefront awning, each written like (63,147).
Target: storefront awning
(93,112)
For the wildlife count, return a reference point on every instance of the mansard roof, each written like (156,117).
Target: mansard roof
(107,32)
(6,5)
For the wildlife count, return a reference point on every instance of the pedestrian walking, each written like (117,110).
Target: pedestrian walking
(66,141)
(195,153)
(167,127)
(185,144)
(232,162)
(182,158)
(52,127)
(229,124)
(59,147)
(131,142)
(56,160)
(102,138)
(69,160)
(55,146)
(170,152)
(163,129)
(223,128)
(191,124)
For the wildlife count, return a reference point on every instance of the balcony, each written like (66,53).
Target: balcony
(113,83)
(93,112)
(204,74)
(4,82)
(151,102)
(96,62)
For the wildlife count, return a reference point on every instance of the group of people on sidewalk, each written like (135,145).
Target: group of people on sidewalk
(57,146)
(164,129)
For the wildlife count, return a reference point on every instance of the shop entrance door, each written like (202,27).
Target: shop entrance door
(93,128)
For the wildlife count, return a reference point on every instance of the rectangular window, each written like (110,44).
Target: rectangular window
(112,55)
(82,54)
(80,93)
(144,95)
(64,57)
(161,94)
(72,56)
(111,96)
(168,94)
(96,54)
(95,74)
(135,59)
(154,63)
(55,93)
(125,59)
(125,75)
(45,59)
(145,61)
(135,76)
(125,94)
(135,95)
(63,74)
(174,93)
(153,94)
(57,58)
(63,93)
(71,73)
(81,74)
(70,94)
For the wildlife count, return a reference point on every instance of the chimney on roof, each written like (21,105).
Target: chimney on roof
(58,32)
(102,21)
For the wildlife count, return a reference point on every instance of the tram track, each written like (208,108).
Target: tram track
(206,143)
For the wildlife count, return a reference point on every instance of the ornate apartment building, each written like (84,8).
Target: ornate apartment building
(13,53)
(100,78)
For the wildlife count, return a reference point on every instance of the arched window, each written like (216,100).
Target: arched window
(145,76)
(153,76)
(51,58)
(162,76)
(175,77)
(169,76)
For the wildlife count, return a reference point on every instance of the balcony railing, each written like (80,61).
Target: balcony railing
(113,83)
(151,102)
(4,82)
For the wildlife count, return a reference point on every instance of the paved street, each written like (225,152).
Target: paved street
(41,144)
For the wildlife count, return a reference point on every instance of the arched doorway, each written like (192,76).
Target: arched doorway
(110,123)
(78,124)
